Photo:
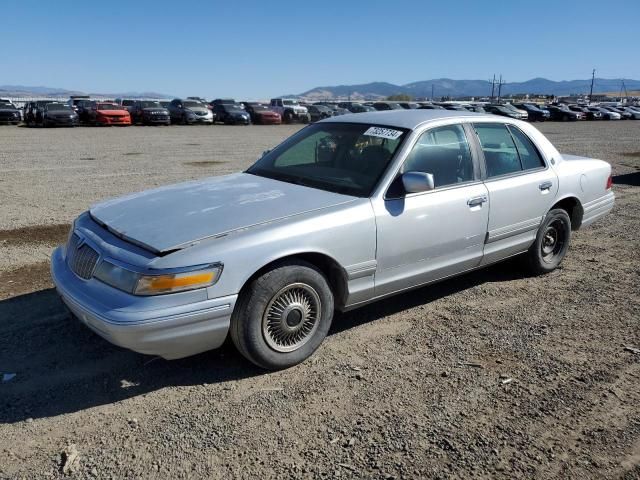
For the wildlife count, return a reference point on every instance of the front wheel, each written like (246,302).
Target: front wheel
(552,242)
(283,316)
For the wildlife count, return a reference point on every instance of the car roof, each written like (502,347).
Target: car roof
(404,118)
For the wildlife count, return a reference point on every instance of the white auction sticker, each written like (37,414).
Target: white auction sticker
(383,133)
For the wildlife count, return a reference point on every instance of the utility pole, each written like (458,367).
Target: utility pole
(593,76)
(493,86)
(432,97)
(500,88)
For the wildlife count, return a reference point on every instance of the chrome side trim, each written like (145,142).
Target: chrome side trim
(512,230)
(364,269)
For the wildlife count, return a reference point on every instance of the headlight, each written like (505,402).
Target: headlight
(170,281)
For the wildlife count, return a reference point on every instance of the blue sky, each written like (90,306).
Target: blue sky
(258,49)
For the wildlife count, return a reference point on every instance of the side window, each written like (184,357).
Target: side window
(500,153)
(529,155)
(444,153)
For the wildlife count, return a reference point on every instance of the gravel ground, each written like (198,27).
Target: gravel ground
(494,374)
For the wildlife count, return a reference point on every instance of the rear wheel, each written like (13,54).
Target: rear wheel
(552,242)
(283,316)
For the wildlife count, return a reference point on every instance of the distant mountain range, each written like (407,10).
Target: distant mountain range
(464,88)
(26,91)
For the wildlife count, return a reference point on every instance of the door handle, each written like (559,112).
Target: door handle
(476,201)
(545,185)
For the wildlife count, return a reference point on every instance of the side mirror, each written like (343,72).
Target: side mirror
(265,152)
(415,182)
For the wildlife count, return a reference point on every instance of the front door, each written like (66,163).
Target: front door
(423,237)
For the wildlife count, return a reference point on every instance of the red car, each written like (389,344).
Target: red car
(103,113)
(260,114)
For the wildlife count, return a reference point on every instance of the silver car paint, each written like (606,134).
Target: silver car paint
(378,246)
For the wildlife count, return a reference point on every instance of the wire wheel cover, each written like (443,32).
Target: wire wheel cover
(291,317)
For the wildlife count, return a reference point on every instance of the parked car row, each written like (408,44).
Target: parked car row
(82,110)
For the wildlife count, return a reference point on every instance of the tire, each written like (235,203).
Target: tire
(257,323)
(287,117)
(552,243)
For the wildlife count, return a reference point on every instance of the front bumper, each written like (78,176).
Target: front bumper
(62,121)
(147,324)
(156,119)
(113,121)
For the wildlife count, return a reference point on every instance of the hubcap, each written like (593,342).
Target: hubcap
(291,317)
(552,240)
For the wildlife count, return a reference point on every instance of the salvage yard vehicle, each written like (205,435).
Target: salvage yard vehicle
(9,113)
(149,112)
(290,110)
(231,114)
(261,114)
(104,114)
(56,114)
(347,211)
(188,112)
(319,112)
(563,114)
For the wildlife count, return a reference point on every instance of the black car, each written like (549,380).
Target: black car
(408,105)
(535,113)
(9,113)
(318,112)
(56,114)
(382,106)
(231,114)
(503,111)
(149,112)
(429,106)
(563,114)
(359,108)
(75,100)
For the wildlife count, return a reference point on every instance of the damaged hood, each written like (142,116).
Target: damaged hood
(176,216)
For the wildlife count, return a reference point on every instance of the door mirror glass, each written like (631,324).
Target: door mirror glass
(415,182)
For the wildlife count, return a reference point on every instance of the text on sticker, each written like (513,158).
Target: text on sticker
(383,133)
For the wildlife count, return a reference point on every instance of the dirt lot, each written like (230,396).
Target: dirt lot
(494,374)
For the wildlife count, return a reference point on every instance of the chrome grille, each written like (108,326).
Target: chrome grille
(82,261)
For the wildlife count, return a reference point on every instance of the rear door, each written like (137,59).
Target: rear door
(521,186)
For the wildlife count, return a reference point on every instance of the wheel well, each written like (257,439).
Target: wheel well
(333,272)
(574,208)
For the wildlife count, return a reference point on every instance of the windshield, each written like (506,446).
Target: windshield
(338,157)
(150,105)
(57,106)
(192,104)
(290,102)
(259,108)
(8,105)
(108,106)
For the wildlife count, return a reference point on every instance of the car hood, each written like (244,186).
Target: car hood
(61,112)
(198,109)
(8,110)
(177,216)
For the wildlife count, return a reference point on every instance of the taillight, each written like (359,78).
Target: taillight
(609,182)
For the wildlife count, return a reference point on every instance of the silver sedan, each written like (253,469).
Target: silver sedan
(347,211)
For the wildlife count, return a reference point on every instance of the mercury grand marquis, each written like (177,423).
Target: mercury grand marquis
(346,211)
